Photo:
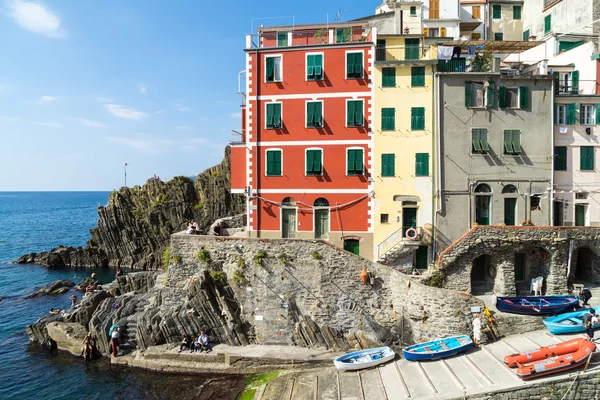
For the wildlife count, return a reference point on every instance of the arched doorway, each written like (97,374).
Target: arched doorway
(583,260)
(288,218)
(482,275)
(483,197)
(321,218)
(510,193)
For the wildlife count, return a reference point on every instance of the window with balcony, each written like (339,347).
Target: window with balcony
(314,67)
(480,143)
(354,162)
(273,115)
(354,65)
(388,77)
(388,119)
(273,70)
(314,162)
(587,114)
(314,114)
(560,158)
(560,115)
(422,164)
(354,113)
(388,165)
(516,12)
(496,11)
(512,142)
(274,162)
(417,76)
(417,118)
(586,158)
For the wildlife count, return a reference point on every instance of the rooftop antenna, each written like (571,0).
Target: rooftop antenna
(338,15)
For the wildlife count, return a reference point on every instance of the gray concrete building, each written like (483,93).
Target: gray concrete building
(494,151)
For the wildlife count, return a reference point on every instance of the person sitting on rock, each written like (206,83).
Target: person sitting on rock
(186,343)
(73,301)
(90,288)
(190,229)
(119,272)
(204,343)
(54,311)
(195,226)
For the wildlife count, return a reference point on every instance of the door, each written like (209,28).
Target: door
(558,213)
(352,245)
(409,219)
(579,215)
(321,224)
(479,268)
(519,266)
(421,258)
(288,222)
(482,210)
(380,52)
(510,210)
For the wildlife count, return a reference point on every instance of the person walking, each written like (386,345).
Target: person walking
(476,330)
(589,321)
(114,339)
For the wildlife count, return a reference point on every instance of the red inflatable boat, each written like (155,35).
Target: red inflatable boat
(542,353)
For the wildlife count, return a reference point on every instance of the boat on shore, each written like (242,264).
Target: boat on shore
(436,349)
(364,359)
(568,322)
(536,305)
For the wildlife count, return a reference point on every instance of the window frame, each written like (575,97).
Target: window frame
(484,149)
(497,7)
(564,107)
(564,163)
(267,115)
(520,9)
(412,128)
(413,76)
(362,173)
(287,38)
(387,218)
(363,114)
(280,56)
(500,35)
(592,165)
(267,160)
(306,78)
(411,11)
(517,99)
(306,114)
(526,37)
(393,157)
(548,22)
(592,114)
(472,84)
(362,71)
(306,173)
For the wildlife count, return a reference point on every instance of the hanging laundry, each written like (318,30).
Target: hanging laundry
(456,52)
(445,52)
(471,50)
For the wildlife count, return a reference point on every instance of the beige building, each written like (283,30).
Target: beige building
(505,20)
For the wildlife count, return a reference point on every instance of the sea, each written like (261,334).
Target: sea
(38,221)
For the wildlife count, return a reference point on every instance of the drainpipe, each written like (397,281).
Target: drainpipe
(551,194)
(437,155)
(435,163)
(258,114)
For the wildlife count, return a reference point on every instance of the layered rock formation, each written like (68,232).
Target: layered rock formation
(134,227)
(56,287)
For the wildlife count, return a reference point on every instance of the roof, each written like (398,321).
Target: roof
(495,46)
(300,27)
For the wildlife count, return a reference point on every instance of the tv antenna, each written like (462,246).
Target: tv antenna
(338,15)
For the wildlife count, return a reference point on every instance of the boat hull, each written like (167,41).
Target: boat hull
(437,349)
(543,353)
(567,323)
(536,305)
(557,364)
(364,359)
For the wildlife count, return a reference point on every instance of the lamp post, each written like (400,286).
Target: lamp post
(126,174)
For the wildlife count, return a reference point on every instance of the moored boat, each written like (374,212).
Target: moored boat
(568,322)
(364,359)
(536,305)
(542,353)
(437,349)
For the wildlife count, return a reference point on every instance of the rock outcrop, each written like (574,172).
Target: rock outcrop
(56,287)
(135,226)
(68,336)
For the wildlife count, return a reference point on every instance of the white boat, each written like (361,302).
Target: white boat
(364,359)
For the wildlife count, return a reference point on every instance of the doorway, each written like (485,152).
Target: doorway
(321,218)
(481,275)
(510,211)
(421,258)
(352,246)
(483,195)
(288,223)
(584,265)
(558,213)
(409,219)
(579,214)
(519,267)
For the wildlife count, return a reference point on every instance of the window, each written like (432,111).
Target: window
(388,119)
(547,23)
(273,70)
(526,35)
(434,9)
(384,218)
(417,76)
(560,115)
(496,11)
(354,113)
(560,158)
(499,36)
(475,36)
(512,98)
(581,196)
(274,163)
(314,114)
(411,49)
(282,39)
(343,35)
(314,162)
(516,12)
(422,164)
(443,31)
(474,94)
(354,65)
(417,118)
(512,142)
(566,46)
(273,115)
(476,12)
(534,202)
(480,141)
(586,158)
(388,77)
(388,165)
(314,67)
(354,161)
(413,11)
(586,112)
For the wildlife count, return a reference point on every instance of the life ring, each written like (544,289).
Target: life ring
(411,233)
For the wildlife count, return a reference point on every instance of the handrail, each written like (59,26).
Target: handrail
(393,238)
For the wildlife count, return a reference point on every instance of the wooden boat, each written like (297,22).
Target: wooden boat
(364,359)
(568,323)
(566,360)
(439,348)
(543,353)
(536,305)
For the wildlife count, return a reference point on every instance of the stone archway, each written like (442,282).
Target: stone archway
(585,265)
(483,275)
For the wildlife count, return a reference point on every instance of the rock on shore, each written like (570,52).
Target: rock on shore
(135,226)
(56,287)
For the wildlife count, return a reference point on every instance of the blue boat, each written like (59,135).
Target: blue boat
(440,348)
(536,305)
(567,323)
(364,359)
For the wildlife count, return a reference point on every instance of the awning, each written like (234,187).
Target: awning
(495,46)
(469,26)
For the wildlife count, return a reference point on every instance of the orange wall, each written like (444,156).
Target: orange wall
(238,167)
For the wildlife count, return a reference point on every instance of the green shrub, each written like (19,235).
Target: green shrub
(215,174)
(204,256)
(316,255)
(199,205)
(218,276)
(176,259)
(138,213)
(241,263)
(259,257)
(283,258)
(239,278)
(166,257)
(161,198)
(436,279)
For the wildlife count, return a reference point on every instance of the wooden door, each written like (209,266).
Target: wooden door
(288,222)
(352,245)
(321,224)
(510,211)
(579,215)
(421,258)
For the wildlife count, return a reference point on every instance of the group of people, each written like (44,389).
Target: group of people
(200,344)
(192,228)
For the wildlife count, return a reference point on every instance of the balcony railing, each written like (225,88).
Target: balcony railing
(399,236)
(308,38)
(581,88)
(405,53)
(237,137)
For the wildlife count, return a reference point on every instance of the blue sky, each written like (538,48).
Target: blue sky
(88,85)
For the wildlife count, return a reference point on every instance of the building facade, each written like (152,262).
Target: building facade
(473,19)
(544,18)
(494,152)
(505,20)
(306,156)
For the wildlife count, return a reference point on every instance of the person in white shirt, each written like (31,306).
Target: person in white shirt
(476,329)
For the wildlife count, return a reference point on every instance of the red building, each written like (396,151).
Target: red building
(304,155)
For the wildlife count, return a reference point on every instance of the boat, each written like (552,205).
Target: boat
(364,359)
(553,359)
(536,305)
(568,323)
(439,348)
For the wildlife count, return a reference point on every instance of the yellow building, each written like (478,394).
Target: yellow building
(403,157)
(505,20)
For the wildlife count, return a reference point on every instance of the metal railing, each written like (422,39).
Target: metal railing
(395,238)
(580,88)
(237,137)
(307,38)
(405,53)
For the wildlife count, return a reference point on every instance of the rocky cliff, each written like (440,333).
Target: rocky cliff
(134,227)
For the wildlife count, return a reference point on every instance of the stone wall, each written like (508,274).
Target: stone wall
(309,293)
(545,251)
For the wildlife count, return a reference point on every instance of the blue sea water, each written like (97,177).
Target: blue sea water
(37,221)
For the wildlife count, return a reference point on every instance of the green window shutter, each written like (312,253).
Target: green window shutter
(270,69)
(310,67)
(499,36)
(314,67)
(318,114)
(273,163)
(349,65)
(340,36)
(317,165)
(358,64)
(496,11)
(422,164)
(412,49)
(277,115)
(526,35)
(354,65)
(491,94)
(508,149)
(313,162)
(417,118)
(560,158)
(355,164)
(586,158)
(571,113)
(476,147)
(388,77)
(388,165)
(318,64)
(417,76)
(310,114)
(524,97)
(388,120)
(468,93)
(597,114)
(483,139)
(547,23)
(502,97)
(351,105)
(581,114)
(516,141)
(358,113)
(282,39)
(516,12)
(555,113)
(575,80)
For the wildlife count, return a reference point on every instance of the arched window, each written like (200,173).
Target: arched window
(288,202)
(483,196)
(483,188)
(510,189)
(321,202)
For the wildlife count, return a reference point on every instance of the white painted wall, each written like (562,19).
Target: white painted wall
(567,16)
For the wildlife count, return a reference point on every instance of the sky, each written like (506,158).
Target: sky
(87,86)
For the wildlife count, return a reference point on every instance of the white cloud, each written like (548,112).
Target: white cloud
(142,88)
(236,115)
(91,124)
(49,124)
(104,99)
(34,17)
(142,143)
(181,107)
(120,111)
(48,99)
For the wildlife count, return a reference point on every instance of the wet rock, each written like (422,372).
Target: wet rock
(56,287)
